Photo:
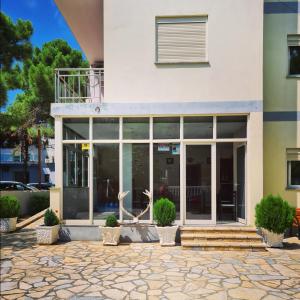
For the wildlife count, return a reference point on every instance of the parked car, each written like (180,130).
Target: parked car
(41,186)
(15,186)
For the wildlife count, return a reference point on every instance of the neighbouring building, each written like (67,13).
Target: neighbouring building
(174,103)
(12,165)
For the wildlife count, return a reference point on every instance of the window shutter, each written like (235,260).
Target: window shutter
(293,154)
(181,40)
(293,40)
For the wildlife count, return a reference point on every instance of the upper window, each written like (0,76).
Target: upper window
(76,129)
(293,168)
(231,127)
(181,39)
(294,54)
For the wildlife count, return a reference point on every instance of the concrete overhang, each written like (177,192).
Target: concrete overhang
(85,19)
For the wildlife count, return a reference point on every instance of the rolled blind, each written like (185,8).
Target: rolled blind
(293,40)
(181,40)
(293,154)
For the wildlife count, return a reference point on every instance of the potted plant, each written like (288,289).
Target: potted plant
(9,211)
(164,215)
(48,233)
(273,215)
(111,231)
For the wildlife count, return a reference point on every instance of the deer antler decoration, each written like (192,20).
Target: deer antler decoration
(135,219)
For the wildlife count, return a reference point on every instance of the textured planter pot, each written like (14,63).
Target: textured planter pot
(8,224)
(47,234)
(272,239)
(167,235)
(111,235)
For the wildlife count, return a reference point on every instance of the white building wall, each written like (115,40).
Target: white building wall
(235,38)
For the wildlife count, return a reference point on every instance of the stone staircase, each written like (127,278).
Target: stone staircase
(221,238)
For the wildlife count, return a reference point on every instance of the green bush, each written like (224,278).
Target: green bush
(50,218)
(164,212)
(111,221)
(38,203)
(274,214)
(9,206)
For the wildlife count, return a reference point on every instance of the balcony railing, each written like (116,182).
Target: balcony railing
(79,85)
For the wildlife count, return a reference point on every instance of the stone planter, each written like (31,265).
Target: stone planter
(167,235)
(8,224)
(47,234)
(111,235)
(272,239)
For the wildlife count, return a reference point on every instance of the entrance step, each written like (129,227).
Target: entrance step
(222,238)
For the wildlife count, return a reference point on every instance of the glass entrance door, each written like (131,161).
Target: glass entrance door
(199,180)
(240,183)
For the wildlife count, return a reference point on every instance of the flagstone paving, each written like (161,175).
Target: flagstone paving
(76,270)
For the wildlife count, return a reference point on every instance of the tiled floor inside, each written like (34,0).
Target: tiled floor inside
(89,270)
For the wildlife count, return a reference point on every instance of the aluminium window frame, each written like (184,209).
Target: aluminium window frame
(289,176)
(150,141)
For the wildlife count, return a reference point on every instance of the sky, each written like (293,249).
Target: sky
(48,23)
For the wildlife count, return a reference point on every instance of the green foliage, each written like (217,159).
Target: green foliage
(9,206)
(50,218)
(38,203)
(15,47)
(164,212)
(111,221)
(274,214)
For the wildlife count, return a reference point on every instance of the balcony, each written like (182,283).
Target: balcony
(79,85)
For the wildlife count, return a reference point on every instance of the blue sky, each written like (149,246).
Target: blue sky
(47,21)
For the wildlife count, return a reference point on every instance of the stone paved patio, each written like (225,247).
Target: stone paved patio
(143,271)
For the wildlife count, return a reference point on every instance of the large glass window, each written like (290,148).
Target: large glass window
(166,173)
(106,128)
(232,127)
(166,128)
(136,177)
(76,129)
(106,180)
(136,128)
(198,127)
(75,182)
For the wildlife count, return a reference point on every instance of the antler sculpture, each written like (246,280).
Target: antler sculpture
(135,219)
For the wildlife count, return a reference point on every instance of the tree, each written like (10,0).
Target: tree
(15,48)
(34,76)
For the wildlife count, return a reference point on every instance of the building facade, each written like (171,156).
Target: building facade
(282,100)
(12,164)
(172,103)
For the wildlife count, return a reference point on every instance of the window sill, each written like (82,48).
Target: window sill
(293,188)
(293,76)
(183,63)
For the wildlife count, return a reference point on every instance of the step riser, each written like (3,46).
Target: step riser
(220,240)
(207,248)
(218,231)
(220,236)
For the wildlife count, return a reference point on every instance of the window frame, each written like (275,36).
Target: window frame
(178,17)
(121,141)
(291,186)
(292,43)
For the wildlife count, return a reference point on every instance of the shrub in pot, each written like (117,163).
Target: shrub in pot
(9,211)
(38,203)
(48,233)
(111,231)
(273,215)
(165,214)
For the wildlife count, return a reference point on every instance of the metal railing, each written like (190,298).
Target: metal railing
(79,85)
